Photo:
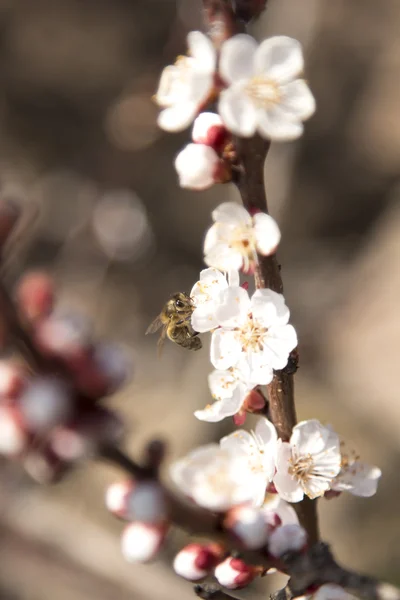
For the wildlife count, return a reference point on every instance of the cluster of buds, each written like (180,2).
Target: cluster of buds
(208,159)
(50,414)
(250,529)
(143,504)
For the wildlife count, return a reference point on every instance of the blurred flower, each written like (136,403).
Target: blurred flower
(205,295)
(248,525)
(236,237)
(308,463)
(186,85)
(287,538)
(259,449)
(209,129)
(141,542)
(255,330)
(199,167)
(264,93)
(356,477)
(216,478)
(234,573)
(275,505)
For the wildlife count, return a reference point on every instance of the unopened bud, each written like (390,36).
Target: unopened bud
(45,403)
(141,542)
(288,538)
(254,401)
(117,496)
(234,573)
(146,503)
(12,436)
(199,167)
(209,129)
(11,379)
(195,561)
(35,295)
(248,524)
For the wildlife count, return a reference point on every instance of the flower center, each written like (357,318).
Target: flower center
(264,92)
(301,468)
(252,336)
(242,239)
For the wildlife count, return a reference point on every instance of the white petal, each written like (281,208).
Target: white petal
(221,409)
(278,344)
(202,126)
(195,166)
(267,233)
(237,58)
(279,57)
(269,308)
(261,372)
(222,384)
(183,471)
(211,239)
(298,100)
(310,437)
(225,349)
(231,213)
(237,111)
(202,50)
(203,318)
(233,307)
(277,124)
(266,432)
(287,487)
(214,279)
(178,117)
(208,287)
(233,278)
(359,479)
(275,504)
(239,441)
(223,257)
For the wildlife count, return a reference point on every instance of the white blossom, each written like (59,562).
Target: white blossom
(249,525)
(205,296)
(265,94)
(275,505)
(287,538)
(259,448)
(356,477)
(216,478)
(309,463)
(229,389)
(140,542)
(197,166)
(208,129)
(255,331)
(186,85)
(236,237)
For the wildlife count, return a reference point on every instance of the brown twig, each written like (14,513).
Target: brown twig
(211,591)
(222,23)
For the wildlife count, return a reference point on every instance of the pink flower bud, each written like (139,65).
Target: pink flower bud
(248,525)
(208,129)
(116,497)
(199,167)
(35,295)
(13,438)
(234,573)
(12,378)
(195,561)
(254,401)
(287,538)
(141,542)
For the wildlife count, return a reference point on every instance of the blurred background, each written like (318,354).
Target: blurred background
(79,145)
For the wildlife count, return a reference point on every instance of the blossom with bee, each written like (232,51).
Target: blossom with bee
(236,237)
(264,93)
(205,297)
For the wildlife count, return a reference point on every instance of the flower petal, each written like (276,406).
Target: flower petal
(177,117)
(222,384)
(203,318)
(287,487)
(279,57)
(232,214)
(261,372)
(202,50)
(277,124)
(239,441)
(221,409)
(310,437)
(237,57)
(278,344)
(360,479)
(222,256)
(275,504)
(225,349)
(267,233)
(298,100)
(269,308)
(266,432)
(237,111)
(211,283)
(233,307)
(184,470)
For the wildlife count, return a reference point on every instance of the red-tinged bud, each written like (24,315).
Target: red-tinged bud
(254,401)
(12,379)
(13,438)
(248,526)
(209,129)
(195,561)
(234,573)
(245,285)
(287,538)
(240,418)
(117,497)
(141,542)
(35,295)
(271,489)
(273,520)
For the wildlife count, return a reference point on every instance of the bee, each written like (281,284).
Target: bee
(175,321)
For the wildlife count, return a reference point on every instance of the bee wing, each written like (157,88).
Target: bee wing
(160,343)
(155,325)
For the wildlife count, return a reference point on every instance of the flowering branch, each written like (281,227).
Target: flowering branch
(223,23)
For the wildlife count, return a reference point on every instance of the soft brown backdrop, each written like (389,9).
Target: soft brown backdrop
(78,139)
